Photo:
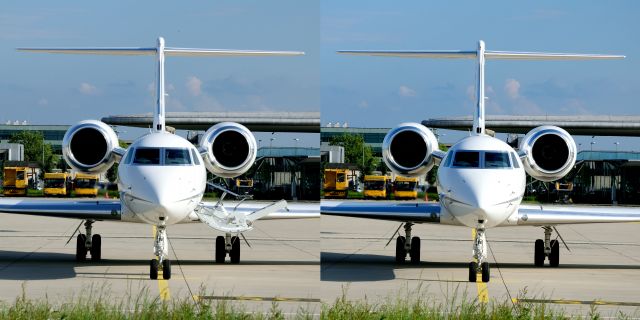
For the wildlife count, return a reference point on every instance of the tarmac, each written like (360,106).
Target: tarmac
(282,263)
(602,269)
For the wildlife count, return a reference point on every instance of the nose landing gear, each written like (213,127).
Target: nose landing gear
(480,255)
(160,248)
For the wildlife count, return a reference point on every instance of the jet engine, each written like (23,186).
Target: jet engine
(550,153)
(230,149)
(408,149)
(89,146)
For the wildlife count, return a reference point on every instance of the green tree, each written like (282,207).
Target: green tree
(35,149)
(356,152)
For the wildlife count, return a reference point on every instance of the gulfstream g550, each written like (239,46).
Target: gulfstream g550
(161,176)
(481,180)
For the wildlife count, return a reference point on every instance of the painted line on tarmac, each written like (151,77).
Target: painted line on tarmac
(585,302)
(163,285)
(483,290)
(249,298)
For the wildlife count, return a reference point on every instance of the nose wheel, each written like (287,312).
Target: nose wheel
(410,246)
(227,245)
(87,243)
(480,265)
(547,248)
(160,248)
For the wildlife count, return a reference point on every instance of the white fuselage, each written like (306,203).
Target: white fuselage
(481,181)
(161,178)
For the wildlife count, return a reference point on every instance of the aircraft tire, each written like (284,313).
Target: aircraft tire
(401,254)
(538,254)
(473,267)
(81,250)
(554,257)
(96,248)
(486,272)
(415,250)
(153,269)
(235,250)
(166,269)
(220,250)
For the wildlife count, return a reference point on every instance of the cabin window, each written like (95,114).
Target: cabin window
(127,157)
(496,160)
(176,157)
(514,159)
(147,156)
(194,154)
(466,159)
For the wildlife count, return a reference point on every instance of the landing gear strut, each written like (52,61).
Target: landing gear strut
(547,248)
(480,265)
(88,243)
(408,245)
(227,245)
(160,248)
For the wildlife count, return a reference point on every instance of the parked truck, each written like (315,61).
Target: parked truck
(376,187)
(16,181)
(56,184)
(405,188)
(86,185)
(336,184)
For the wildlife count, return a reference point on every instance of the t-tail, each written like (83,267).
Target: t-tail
(480,55)
(160,51)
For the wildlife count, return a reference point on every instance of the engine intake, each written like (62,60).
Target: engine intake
(550,153)
(408,149)
(88,146)
(230,149)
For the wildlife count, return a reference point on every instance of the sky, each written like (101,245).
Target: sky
(384,91)
(65,89)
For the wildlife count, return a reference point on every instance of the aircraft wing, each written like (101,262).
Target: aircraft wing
(402,212)
(293,210)
(77,209)
(540,215)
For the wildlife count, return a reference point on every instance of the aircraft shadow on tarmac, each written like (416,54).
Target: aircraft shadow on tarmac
(344,267)
(18,265)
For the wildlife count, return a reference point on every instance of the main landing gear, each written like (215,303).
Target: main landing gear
(88,243)
(480,265)
(227,245)
(160,248)
(408,245)
(547,248)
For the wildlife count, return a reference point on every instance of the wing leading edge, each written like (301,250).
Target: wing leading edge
(402,212)
(538,215)
(77,209)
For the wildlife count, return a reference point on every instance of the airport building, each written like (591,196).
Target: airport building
(372,136)
(53,134)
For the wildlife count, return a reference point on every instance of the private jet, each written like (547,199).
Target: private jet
(481,180)
(161,176)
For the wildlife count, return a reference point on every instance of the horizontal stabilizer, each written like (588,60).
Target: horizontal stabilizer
(167,51)
(503,55)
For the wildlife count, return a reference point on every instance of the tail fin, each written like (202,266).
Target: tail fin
(160,51)
(480,55)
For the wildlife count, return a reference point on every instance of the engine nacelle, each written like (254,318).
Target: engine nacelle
(230,149)
(408,149)
(88,146)
(550,153)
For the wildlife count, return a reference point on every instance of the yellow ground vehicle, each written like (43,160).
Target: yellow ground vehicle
(15,181)
(336,184)
(86,185)
(244,186)
(405,188)
(376,186)
(55,184)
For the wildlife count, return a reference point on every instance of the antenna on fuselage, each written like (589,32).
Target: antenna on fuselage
(160,51)
(480,54)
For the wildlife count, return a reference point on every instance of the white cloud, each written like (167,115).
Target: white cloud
(363,104)
(405,91)
(512,87)
(43,102)
(194,86)
(88,89)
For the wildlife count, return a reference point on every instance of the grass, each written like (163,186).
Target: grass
(95,304)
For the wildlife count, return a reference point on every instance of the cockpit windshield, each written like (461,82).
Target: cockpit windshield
(147,156)
(496,160)
(466,159)
(176,157)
